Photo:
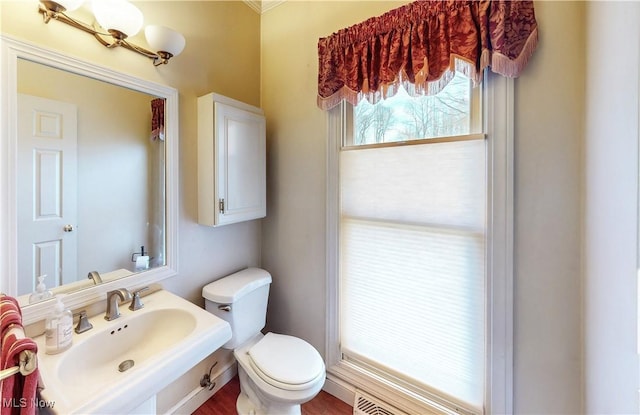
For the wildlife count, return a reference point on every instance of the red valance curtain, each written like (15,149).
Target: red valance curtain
(157,119)
(421,44)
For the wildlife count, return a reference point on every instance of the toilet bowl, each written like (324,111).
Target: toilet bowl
(277,372)
(280,373)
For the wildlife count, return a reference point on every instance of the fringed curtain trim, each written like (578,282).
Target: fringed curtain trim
(421,45)
(157,119)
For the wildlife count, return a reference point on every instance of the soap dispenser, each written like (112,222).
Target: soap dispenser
(41,293)
(58,329)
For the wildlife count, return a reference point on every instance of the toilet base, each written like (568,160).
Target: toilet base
(250,403)
(244,406)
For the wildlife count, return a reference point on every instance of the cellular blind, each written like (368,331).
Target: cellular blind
(412,265)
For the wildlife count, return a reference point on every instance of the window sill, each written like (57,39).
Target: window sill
(404,399)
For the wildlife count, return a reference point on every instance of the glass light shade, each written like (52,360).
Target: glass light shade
(163,39)
(70,5)
(118,15)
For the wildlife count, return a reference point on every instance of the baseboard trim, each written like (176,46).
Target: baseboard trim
(340,389)
(200,395)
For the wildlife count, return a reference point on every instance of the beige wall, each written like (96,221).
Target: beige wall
(548,141)
(548,116)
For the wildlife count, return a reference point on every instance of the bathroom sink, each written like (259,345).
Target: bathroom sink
(133,340)
(120,364)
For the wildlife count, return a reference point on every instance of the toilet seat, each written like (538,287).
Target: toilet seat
(286,362)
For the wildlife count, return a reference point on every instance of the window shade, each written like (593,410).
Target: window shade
(440,183)
(412,264)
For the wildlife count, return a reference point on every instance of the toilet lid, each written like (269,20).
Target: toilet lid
(286,359)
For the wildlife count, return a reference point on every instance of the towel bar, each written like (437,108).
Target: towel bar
(9,372)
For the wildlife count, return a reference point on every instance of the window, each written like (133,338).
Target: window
(414,223)
(454,111)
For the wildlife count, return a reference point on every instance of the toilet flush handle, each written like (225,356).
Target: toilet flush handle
(224,307)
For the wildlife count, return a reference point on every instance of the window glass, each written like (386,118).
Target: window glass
(452,112)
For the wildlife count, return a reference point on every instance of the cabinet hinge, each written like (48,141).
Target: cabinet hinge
(221,205)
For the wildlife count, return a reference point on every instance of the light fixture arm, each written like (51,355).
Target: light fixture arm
(52,10)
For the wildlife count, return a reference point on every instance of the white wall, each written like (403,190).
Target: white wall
(549,118)
(610,208)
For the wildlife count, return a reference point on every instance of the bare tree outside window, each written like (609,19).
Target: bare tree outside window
(403,118)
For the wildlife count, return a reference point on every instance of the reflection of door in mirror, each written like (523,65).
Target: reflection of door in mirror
(119,183)
(47,202)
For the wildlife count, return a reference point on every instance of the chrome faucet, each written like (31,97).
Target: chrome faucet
(93,275)
(113,311)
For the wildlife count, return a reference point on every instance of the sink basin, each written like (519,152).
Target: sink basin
(119,364)
(134,340)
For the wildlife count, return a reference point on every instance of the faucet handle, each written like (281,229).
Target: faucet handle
(136,303)
(83,322)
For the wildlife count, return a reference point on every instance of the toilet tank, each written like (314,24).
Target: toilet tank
(241,300)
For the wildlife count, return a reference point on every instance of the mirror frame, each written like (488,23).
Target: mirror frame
(11,50)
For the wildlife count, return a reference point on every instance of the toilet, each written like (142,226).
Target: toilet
(277,372)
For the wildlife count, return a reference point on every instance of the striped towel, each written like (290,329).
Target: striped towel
(18,391)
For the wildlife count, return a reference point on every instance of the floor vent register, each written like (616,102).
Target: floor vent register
(368,405)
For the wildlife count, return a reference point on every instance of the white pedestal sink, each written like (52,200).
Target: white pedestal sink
(119,365)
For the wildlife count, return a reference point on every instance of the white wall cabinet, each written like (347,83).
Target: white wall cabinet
(231,161)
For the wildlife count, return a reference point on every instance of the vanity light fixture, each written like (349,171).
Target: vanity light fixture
(121,20)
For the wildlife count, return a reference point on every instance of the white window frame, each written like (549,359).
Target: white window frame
(342,377)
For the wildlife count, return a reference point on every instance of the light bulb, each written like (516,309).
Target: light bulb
(70,5)
(118,15)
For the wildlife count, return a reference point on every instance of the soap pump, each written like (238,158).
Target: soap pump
(58,328)
(41,293)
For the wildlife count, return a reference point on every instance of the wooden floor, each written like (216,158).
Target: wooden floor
(224,403)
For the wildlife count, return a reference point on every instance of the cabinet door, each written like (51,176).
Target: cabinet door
(240,164)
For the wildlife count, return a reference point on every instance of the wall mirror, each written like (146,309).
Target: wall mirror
(85,185)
